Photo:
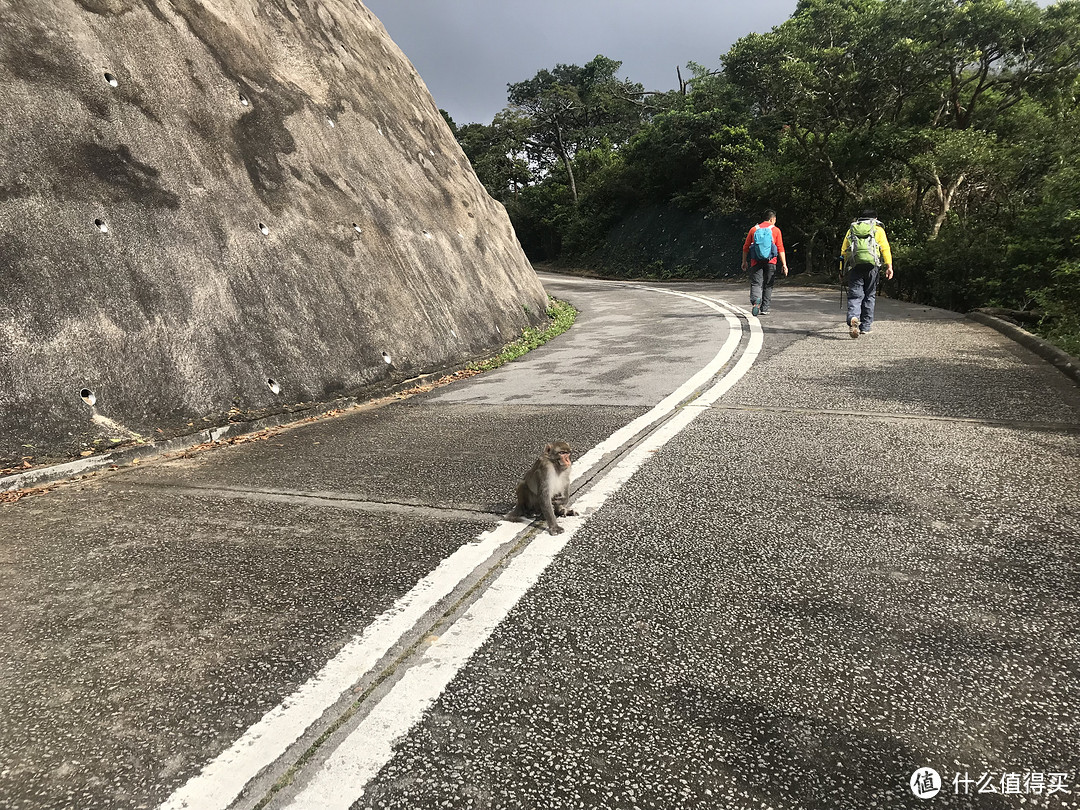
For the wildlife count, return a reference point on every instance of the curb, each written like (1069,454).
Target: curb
(73,470)
(374,395)
(1065,363)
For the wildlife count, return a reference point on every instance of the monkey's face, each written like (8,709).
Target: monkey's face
(559,453)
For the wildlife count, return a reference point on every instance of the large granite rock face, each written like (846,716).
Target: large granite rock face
(200,196)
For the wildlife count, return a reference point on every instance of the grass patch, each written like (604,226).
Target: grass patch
(562,317)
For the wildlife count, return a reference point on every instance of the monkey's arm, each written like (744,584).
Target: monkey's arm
(560,498)
(559,504)
(547,505)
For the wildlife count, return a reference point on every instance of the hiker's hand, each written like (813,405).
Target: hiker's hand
(785,270)
(888,271)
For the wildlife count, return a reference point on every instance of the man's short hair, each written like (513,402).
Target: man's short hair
(769,214)
(869,213)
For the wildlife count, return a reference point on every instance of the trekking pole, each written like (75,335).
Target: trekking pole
(843,292)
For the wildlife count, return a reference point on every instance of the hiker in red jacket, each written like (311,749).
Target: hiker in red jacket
(763,246)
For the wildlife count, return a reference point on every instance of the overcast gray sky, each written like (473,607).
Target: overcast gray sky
(467,51)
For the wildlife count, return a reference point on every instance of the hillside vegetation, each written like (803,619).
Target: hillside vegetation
(956,119)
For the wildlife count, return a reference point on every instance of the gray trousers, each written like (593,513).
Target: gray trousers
(862,295)
(762,278)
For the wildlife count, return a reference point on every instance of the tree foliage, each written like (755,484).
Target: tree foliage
(572,108)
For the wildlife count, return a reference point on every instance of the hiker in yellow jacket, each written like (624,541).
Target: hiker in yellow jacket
(865,251)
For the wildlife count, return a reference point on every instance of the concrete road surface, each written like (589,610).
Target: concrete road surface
(808,570)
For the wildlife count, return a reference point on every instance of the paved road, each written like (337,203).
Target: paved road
(809,571)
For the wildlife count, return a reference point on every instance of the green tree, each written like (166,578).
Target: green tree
(572,108)
(497,153)
(695,159)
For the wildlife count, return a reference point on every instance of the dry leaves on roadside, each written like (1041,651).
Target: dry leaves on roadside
(423,388)
(13,496)
(256,436)
(26,465)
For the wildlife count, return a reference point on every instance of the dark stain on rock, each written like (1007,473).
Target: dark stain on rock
(12,193)
(13,252)
(382,222)
(32,55)
(204,126)
(137,97)
(260,133)
(45,59)
(262,137)
(107,8)
(235,57)
(134,179)
(330,184)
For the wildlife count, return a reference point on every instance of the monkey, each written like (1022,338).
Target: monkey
(546,487)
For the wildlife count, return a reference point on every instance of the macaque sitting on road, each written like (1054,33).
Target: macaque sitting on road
(546,487)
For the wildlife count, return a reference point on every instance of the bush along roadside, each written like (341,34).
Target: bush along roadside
(561,316)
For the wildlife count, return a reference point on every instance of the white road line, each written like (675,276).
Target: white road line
(753,349)
(670,402)
(223,779)
(347,771)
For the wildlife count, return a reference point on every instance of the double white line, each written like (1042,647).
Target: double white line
(343,776)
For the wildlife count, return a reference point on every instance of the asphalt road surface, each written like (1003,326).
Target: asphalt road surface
(806,570)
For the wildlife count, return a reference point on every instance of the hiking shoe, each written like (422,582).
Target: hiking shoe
(764,312)
(756,310)
(854,327)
